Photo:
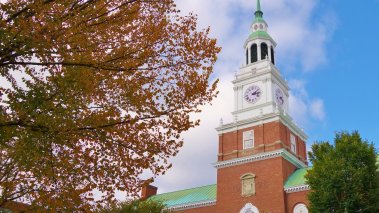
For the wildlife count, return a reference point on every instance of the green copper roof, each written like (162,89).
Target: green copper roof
(297,178)
(259,20)
(259,34)
(188,196)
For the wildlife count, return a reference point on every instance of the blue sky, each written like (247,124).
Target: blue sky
(327,51)
(348,82)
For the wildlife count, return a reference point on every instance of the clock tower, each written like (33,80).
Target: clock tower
(263,146)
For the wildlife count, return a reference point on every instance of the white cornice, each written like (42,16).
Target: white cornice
(252,108)
(192,205)
(296,189)
(292,126)
(242,124)
(253,71)
(262,156)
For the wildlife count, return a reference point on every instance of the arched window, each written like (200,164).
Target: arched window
(254,53)
(247,56)
(249,208)
(264,51)
(300,208)
(248,185)
(272,55)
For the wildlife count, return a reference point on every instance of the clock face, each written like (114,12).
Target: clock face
(252,94)
(279,96)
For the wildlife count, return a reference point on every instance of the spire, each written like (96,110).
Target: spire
(258,5)
(258,13)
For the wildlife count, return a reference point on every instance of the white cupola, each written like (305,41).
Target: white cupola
(259,45)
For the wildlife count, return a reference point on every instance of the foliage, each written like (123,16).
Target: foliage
(93,93)
(344,176)
(135,206)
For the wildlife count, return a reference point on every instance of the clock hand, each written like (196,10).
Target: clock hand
(256,92)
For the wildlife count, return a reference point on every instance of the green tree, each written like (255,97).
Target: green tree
(135,206)
(344,177)
(93,93)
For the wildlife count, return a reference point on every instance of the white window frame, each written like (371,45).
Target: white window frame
(293,143)
(248,139)
(300,208)
(249,208)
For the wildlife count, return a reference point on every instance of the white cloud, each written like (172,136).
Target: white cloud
(317,109)
(304,109)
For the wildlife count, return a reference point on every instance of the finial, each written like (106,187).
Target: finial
(258,13)
(258,5)
(221,122)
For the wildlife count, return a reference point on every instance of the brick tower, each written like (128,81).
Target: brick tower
(263,146)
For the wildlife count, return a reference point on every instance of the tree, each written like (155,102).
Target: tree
(344,176)
(135,206)
(95,92)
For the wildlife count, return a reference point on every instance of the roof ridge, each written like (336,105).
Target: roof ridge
(186,189)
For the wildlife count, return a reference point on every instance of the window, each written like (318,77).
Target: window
(249,208)
(248,184)
(300,208)
(248,139)
(272,55)
(254,53)
(293,143)
(264,51)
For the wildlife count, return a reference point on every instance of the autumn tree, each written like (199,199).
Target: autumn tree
(93,93)
(344,177)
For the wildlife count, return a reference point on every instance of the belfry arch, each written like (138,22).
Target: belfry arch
(254,53)
(264,51)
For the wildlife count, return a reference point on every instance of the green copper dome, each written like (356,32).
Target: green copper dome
(259,34)
(259,26)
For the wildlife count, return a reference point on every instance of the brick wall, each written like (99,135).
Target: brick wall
(269,182)
(267,137)
(294,198)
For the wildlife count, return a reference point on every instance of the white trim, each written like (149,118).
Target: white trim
(249,207)
(279,116)
(245,139)
(192,205)
(296,189)
(261,156)
(300,208)
(293,143)
(236,112)
(259,68)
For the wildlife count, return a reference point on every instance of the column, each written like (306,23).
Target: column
(259,51)
(269,52)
